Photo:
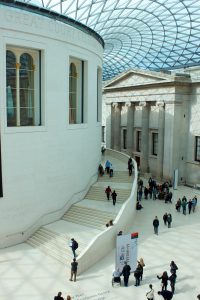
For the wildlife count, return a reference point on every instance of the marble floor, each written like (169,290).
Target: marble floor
(26,273)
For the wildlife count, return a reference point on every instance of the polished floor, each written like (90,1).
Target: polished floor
(26,273)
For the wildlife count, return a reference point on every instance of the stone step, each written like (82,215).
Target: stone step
(98,193)
(119,176)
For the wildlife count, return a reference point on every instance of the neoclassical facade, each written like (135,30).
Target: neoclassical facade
(155,118)
(50,80)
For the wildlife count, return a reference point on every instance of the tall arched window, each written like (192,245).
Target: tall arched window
(11,87)
(72,94)
(23,87)
(26,78)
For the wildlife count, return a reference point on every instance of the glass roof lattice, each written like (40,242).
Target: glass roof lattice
(147,34)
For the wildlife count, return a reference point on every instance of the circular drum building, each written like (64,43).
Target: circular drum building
(50,82)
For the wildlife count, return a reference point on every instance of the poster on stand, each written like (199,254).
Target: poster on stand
(126,250)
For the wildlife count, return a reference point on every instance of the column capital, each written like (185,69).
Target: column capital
(128,104)
(115,105)
(160,103)
(142,103)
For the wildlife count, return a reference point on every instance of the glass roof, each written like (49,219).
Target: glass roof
(147,34)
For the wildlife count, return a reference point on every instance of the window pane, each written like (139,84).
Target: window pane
(11,106)
(72,94)
(26,62)
(155,143)
(197,156)
(26,116)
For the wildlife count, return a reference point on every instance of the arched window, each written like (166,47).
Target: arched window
(72,94)
(26,78)
(11,87)
(23,83)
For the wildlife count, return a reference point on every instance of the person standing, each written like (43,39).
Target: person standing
(167,295)
(126,273)
(189,206)
(173,267)
(137,275)
(130,166)
(59,296)
(114,197)
(156,225)
(108,191)
(74,246)
(107,166)
(172,279)
(150,294)
(164,280)
(184,204)
(194,203)
(165,218)
(142,264)
(111,170)
(74,267)
(169,220)
(198,297)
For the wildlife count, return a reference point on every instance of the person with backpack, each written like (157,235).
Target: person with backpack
(150,294)
(74,246)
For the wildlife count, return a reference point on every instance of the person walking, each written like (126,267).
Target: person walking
(59,296)
(130,166)
(189,206)
(178,205)
(74,267)
(184,204)
(111,170)
(194,203)
(169,220)
(107,166)
(156,225)
(114,197)
(74,246)
(126,273)
(108,191)
(165,218)
(167,295)
(150,294)
(164,280)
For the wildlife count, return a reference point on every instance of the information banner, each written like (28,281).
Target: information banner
(175,185)
(126,250)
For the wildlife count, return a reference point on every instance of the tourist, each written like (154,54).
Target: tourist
(194,203)
(184,204)
(167,295)
(138,206)
(140,192)
(178,205)
(164,280)
(74,246)
(130,166)
(173,267)
(142,264)
(107,166)
(69,298)
(156,225)
(165,218)
(59,296)
(169,220)
(101,171)
(150,294)
(172,279)
(111,170)
(74,267)
(189,206)
(116,276)
(198,297)
(126,273)
(108,191)
(137,274)
(114,197)
(146,191)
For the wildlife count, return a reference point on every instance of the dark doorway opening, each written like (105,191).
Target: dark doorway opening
(1,186)
(137,159)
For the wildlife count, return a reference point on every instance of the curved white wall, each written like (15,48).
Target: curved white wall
(46,168)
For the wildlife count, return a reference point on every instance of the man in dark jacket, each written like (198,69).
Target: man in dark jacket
(167,295)
(114,197)
(126,273)
(155,225)
(58,297)
(74,267)
(74,246)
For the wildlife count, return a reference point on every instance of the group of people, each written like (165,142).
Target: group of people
(59,297)
(184,203)
(167,218)
(74,263)
(111,193)
(108,169)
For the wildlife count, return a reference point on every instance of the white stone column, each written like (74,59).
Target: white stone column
(130,123)
(144,162)
(116,126)
(161,122)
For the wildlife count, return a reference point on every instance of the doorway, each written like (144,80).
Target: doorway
(137,159)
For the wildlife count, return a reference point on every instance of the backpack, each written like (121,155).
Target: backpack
(75,245)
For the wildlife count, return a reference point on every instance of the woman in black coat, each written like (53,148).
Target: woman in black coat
(164,280)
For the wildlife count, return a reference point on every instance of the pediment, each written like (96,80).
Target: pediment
(133,78)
